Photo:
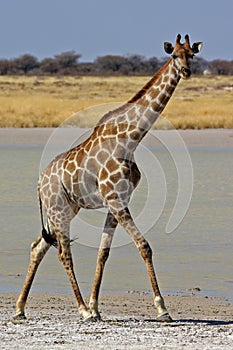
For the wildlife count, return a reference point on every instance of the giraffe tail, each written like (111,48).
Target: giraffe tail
(48,237)
(46,234)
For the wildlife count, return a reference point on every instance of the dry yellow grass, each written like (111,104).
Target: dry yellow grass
(202,102)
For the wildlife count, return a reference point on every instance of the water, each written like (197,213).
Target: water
(198,253)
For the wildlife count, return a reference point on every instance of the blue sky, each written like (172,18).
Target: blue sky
(94,28)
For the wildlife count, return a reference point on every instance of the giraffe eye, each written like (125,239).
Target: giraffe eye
(174,56)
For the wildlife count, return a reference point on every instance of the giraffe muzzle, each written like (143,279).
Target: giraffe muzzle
(186,72)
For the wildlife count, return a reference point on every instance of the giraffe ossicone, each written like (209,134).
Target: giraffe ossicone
(101,172)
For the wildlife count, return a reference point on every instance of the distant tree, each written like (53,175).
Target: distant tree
(67,61)
(25,63)
(199,65)
(5,67)
(110,63)
(49,66)
(125,68)
(137,63)
(163,60)
(221,67)
(86,68)
(125,65)
(152,65)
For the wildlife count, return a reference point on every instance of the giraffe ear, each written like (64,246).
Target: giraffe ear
(197,47)
(168,47)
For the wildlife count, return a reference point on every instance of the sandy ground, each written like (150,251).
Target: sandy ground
(128,323)
(210,138)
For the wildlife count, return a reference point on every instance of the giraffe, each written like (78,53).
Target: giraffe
(101,172)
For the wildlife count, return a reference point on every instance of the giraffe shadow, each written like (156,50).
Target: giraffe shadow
(174,323)
(181,322)
(207,322)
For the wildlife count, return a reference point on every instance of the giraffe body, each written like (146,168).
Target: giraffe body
(101,172)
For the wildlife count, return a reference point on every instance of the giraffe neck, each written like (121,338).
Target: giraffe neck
(154,96)
(130,123)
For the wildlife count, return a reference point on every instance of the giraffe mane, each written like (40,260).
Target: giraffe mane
(150,83)
(109,114)
(135,98)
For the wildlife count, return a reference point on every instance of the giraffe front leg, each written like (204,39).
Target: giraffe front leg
(146,253)
(123,216)
(103,253)
(64,255)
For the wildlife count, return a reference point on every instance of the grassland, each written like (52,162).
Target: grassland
(201,102)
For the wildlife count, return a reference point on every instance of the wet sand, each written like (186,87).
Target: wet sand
(128,323)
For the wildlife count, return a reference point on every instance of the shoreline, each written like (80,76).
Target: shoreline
(128,323)
(205,138)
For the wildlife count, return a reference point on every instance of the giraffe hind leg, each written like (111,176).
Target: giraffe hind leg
(38,250)
(65,257)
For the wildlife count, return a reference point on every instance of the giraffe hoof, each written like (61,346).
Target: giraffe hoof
(89,319)
(164,318)
(97,318)
(19,318)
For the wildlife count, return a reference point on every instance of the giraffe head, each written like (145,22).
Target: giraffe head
(183,54)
